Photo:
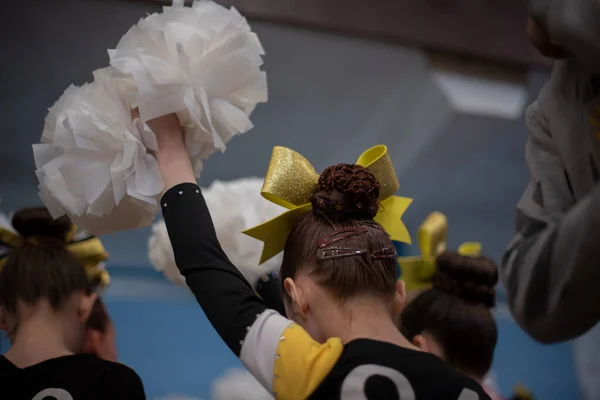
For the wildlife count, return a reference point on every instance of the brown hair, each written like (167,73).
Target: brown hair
(42,268)
(456,312)
(98,319)
(343,209)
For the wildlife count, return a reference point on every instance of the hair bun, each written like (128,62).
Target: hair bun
(37,221)
(473,279)
(347,189)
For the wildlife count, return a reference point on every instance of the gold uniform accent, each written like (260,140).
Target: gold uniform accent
(302,363)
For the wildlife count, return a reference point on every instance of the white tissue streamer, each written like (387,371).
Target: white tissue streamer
(200,62)
(234,206)
(94,162)
(238,384)
(5,222)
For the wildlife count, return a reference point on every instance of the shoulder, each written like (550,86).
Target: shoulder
(452,379)
(285,358)
(381,369)
(122,380)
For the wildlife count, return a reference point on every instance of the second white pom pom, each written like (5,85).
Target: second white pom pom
(94,162)
(234,206)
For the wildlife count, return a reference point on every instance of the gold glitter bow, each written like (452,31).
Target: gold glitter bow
(417,271)
(86,249)
(291,181)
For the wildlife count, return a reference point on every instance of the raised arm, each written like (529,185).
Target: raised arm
(248,327)
(226,297)
(550,268)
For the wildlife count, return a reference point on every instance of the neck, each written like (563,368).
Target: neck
(42,336)
(364,319)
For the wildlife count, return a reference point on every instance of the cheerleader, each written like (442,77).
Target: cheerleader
(453,318)
(339,286)
(45,300)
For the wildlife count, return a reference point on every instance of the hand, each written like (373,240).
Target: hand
(166,128)
(172,156)
(539,37)
(167,125)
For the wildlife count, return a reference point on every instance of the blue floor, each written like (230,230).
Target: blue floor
(546,370)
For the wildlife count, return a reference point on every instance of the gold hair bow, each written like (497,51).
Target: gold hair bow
(291,180)
(86,249)
(417,271)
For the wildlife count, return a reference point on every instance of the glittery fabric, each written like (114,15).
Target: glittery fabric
(291,181)
(290,178)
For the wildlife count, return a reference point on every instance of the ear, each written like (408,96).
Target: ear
(421,342)
(299,305)
(399,298)
(86,305)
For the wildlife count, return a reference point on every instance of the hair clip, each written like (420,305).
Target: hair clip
(338,252)
(340,235)
(375,225)
(384,253)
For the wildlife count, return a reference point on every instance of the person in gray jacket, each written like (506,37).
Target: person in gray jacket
(551,269)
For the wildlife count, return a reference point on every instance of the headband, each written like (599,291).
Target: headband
(87,250)
(291,181)
(417,271)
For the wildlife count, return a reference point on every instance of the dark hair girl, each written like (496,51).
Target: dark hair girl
(340,288)
(453,319)
(45,301)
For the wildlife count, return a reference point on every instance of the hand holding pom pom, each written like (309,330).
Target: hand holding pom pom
(202,63)
(95,163)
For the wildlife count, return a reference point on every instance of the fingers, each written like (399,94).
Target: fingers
(135,113)
(167,124)
(541,41)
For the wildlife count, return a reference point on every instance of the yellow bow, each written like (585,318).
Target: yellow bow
(417,271)
(88,250)
(291,180)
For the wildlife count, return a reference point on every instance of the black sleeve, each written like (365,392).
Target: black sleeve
(268,287)
(225,296)
(122,383)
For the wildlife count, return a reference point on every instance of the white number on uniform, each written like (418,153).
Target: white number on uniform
(353,387)
(58,394)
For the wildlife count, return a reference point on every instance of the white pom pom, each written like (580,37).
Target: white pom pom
(5,222)
(234,206)
(202,63)
(238,384)
(94,162)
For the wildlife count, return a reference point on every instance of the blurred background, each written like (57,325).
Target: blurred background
(443,83)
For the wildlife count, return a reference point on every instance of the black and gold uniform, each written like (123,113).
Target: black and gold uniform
(280,353)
